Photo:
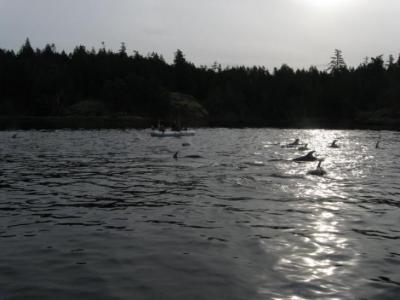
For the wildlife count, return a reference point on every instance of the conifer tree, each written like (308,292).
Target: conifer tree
(337,61)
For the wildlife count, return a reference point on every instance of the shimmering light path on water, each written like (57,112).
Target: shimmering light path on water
(111,215)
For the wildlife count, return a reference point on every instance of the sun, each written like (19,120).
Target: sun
(326,3)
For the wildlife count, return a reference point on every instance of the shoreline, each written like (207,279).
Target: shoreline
(137,122)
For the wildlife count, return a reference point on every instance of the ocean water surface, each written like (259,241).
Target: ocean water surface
(111,215)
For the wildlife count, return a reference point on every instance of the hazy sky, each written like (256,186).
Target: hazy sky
(232,32)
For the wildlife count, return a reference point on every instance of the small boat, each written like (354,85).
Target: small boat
(172,133)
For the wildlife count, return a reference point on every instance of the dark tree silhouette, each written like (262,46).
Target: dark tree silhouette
(26,50)
(122,50)
(337,61)
(179,58)
(100,82)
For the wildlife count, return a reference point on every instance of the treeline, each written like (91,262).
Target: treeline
(45,82)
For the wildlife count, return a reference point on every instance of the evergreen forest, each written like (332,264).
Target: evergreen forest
(97,83)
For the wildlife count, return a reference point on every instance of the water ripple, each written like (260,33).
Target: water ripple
(111,215)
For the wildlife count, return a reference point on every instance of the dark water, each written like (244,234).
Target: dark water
(110,215)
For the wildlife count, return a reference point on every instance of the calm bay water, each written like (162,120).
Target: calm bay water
(111,215)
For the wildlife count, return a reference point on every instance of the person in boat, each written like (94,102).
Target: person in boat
(377,144)
(176,155)
(334,145)
(304,147)
(308,157)
(319,171)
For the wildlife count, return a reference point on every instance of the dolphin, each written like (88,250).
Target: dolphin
(319,171)
(308,157)
(334,145)
(304,147)
(291,145)
(186,156)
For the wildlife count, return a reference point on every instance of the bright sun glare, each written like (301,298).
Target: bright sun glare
(326,3)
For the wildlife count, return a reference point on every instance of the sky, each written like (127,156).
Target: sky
(266,33)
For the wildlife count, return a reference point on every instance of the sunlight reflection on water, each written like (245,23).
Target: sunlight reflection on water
(323,250)
(115,212)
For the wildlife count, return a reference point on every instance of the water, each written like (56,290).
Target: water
(110,215)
